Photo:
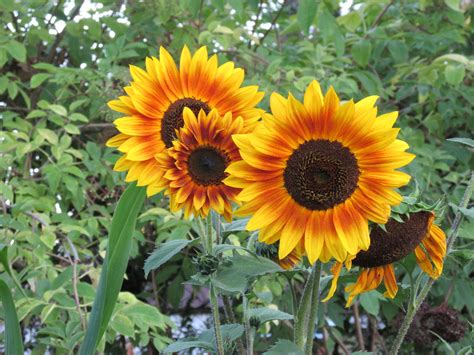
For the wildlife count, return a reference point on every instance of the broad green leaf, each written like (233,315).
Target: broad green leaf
(398,50)
(72,129)
(454,5)
(361,52)
(268,314)
(230,332)
(306,13)
(454,74)
(12,337)
(190,344)
(38,79)
(49,135)
(351,21)
(118,250)
(78,117)
(60,110)
(284,346)
(17,50)
(466,141)
(370,301)
(163,253)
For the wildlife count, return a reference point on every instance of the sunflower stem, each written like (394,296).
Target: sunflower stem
(217,321)
(414,306)
(302,315)
(313,314)
(248,328)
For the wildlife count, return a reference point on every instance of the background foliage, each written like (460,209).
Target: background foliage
(61,61)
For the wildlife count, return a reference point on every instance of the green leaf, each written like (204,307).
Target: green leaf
(306,12)
(49,135)
(466,141)
(267,314)
(17,50)
(230,332)
(284,346)
(351,21)
(399,51)
(78,117)
(361,52)
(13,340)
(38,79)
(454,74)
(370,301)
(163,253)
(454,5)
(183,345)
(60,110)
(111,278)
(72,129)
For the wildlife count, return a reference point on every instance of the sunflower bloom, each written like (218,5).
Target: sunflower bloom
(194,166)
(316,172)
(416,234)
(154,107)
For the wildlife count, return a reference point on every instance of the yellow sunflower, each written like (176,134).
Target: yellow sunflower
(155,101)
(417,234)
(318,171)
(194,166)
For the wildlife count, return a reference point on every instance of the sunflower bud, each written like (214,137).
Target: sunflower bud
(206,263)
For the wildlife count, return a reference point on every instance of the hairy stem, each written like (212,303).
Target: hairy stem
(217,321)
(302,316)
(248,328)
(414,306)
(313,314)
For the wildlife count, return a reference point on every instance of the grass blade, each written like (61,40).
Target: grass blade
(13,341)
(116,260)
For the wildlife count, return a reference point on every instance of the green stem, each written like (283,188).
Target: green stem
(414,306)
(248,328)
(217,321)
(313,314)
(302,316)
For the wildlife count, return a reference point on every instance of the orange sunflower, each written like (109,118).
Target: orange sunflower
(194,166)
(155,101)
(318,171)
(416,233)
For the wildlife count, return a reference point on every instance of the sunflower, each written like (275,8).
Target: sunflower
(194,166)
(155,101)
(416,233)
(316,172)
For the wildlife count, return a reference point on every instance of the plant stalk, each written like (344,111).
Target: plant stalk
(302,315)
(217,321)
(248,328)
(313,314)
(414,306)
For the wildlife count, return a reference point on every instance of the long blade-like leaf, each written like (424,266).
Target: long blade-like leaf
(13,341)
(116,260)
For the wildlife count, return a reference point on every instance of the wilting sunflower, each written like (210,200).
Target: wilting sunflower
(155,102)
(318,171)
(194,166)
(416,233)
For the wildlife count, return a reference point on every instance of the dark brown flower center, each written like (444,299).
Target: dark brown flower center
(207,165)
(321,174)
(399,240)
(173,117)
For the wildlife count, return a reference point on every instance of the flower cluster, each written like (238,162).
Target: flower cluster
(314,176)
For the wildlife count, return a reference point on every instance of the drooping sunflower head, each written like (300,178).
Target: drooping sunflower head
(155,102)
(416,233)
(194,167)
(318,172)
